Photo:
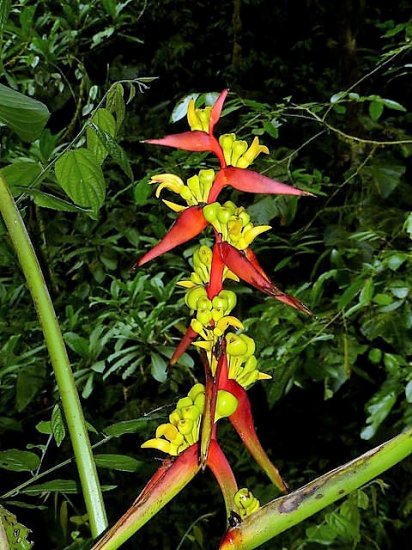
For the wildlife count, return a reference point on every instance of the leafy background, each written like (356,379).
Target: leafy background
(342,380)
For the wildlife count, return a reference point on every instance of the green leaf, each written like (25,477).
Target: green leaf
(21,173)
(141,192)
(378,408)
(5,6)
(104,121)
(116,152)
(159,367)
(68,486)
(337,97)
(44,427)
(115,103)
(30,380)
(385,177)
(77,343)
(80,176)
(128,426)
(350,293)
(45,200)
(10,424)
(408,391)
(57,426)
(390,104)
(122,463)
(407,226)
(376,109)
(18,461)
(180,109)
(24,115)
(16,533)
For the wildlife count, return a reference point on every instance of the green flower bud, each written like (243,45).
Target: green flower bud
(184,402)
(210,212)
(226,404)
(230,298)
(235,345)
(204,316)
(199,402)
(196,390)
(194,295)
(238,149)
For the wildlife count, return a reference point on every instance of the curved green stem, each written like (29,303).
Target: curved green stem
(285,512)
(58,355)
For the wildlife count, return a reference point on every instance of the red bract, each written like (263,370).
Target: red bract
(188,225)
(247,268)
(251,182)
(188,338)
(197,140)
(242,421)
(171,477)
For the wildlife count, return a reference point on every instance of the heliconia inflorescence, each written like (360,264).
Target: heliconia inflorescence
(226,352)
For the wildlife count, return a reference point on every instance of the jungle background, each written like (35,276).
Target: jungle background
(342,379)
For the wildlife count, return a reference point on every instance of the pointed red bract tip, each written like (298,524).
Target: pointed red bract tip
(189,337)
(223,473)
(217,110)
(253,182)
(245,265)
(188,141)
(242,421)
(189,223)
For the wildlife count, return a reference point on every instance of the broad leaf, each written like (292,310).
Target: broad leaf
(29,382)
(57,426)
(21,174)
(128,426)
(16,533)
(116,152)
(24,115)
(122,463)
(115,103)
(103,121)
(159,367)
(18,461)
(81,177)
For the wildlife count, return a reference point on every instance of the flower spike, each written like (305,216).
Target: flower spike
(227,353)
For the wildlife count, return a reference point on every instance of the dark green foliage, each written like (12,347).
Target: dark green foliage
(303,81)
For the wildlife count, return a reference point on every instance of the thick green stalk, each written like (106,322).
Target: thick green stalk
(285,512)
(58,355)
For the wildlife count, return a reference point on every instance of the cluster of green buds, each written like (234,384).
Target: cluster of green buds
(195,191)
(238,153)
(245,503)
(242,363)
(182,430)
(202,262)
(183,427)
(209,312)
(233,224)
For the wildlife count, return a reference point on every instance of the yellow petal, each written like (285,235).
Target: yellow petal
(174,206)
(192,117)
(159,444)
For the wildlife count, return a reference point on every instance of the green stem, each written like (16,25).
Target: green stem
(285,512)
(58,355)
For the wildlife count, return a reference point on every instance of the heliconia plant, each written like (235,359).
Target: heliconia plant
(226,352)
